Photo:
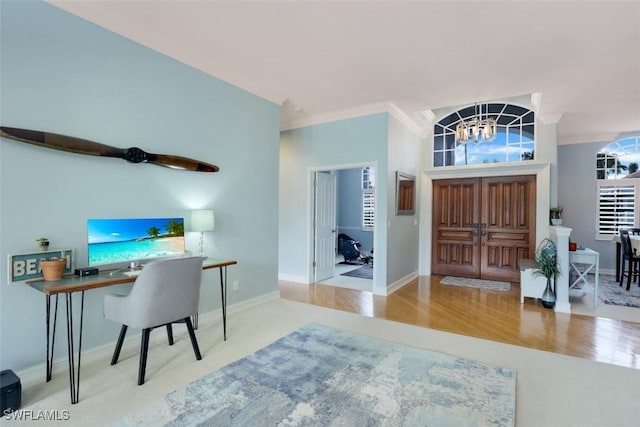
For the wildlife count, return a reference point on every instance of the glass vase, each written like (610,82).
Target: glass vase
(548,296)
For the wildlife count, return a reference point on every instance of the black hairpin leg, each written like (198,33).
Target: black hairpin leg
(223,290)
(74,370)
(51,335)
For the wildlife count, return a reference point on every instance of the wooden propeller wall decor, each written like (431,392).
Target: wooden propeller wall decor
(90,148)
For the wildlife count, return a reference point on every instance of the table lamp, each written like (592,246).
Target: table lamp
(202,220)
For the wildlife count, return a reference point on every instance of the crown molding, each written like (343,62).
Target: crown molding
(360,111)
(549,119)
(585,139)
(406,120)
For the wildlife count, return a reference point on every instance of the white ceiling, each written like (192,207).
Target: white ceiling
(318,58)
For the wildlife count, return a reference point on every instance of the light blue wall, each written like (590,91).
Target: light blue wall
(324,147)
(577,194)
(349,183)
(404,148)
(62,74)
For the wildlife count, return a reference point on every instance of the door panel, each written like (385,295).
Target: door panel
(325,226)
(483,226)
(509,214)
(456,251)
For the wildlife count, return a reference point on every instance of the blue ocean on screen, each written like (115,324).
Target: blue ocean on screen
(132,239)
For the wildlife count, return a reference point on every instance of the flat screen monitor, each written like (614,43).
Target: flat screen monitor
(119,240)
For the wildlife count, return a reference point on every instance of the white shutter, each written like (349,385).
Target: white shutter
(368,209)
(616,207)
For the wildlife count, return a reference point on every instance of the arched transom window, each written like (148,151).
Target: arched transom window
(619,159)
(514,140)
(618,182)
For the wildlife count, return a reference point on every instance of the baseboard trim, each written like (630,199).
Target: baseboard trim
(293,278)
(36,373)
(402,282)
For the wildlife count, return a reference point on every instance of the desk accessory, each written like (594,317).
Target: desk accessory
(202,220)
(87,271)
(83,146)
(53,268)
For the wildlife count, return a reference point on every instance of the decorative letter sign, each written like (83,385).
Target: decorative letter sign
(23,267)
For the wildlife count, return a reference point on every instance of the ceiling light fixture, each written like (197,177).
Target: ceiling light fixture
(477,128)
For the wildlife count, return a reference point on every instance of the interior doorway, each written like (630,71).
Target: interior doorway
(482,226)
(346,207)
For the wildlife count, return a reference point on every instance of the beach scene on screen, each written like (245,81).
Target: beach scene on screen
(119,240)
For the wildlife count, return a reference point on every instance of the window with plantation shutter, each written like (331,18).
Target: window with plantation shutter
(616,206)
(368,209)
(368,197)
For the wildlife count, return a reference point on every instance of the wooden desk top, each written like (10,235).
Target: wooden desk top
(73,283)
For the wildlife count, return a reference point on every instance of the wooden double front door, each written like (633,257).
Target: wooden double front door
(483,226)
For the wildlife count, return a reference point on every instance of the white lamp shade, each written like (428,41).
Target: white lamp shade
(202,220)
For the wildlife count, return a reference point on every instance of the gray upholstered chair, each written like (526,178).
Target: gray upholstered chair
(165,292)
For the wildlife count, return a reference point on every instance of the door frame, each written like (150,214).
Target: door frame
(311,209)
(542,171)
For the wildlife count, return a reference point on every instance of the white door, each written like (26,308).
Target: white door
(325,226)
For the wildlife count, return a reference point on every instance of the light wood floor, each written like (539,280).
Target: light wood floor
(491,315)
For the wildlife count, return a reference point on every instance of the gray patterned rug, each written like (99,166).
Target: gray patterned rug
(364,272)
(610,291)
(319,376)
(491,285)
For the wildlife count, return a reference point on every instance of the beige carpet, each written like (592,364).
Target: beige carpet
(552,390)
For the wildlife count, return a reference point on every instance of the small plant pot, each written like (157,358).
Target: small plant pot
(53,269)
(44,246)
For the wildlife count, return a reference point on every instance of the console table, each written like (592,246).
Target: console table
(71,284)
(590,262)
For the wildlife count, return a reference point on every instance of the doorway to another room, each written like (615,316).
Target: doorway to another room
(344,215)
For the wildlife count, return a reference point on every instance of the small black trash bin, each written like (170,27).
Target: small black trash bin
(11,392)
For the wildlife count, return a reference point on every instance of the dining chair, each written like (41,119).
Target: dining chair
(628,255)
(165,292)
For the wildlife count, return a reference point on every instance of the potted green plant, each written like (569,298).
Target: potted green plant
(43,244)
(547,267)
(556,215)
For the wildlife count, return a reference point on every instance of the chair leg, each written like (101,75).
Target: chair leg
(192,335)
(170,333)
(622,272)
(116,352)
(144,349)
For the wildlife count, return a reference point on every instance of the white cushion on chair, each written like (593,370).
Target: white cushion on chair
(164,291)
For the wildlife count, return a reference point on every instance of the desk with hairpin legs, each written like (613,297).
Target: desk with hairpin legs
(71,284)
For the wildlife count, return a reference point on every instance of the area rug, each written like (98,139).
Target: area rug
(364,272)
(319,376)
(491,285)
(610,291)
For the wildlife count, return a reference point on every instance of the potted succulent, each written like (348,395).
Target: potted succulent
(547,267)
(556,215)
(43,244)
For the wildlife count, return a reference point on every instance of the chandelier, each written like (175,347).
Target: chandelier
(477,128)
